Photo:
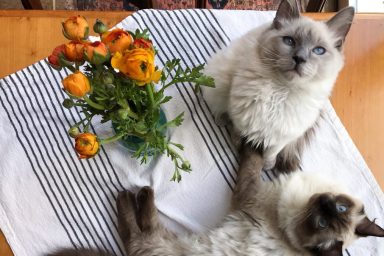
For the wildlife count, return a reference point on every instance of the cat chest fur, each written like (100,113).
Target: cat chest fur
(273,114)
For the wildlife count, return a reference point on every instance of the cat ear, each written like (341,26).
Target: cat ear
(287,10)
(335,250)
(341,23)
(369,228)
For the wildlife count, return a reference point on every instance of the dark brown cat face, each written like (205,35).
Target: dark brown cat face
(325,220)
(329,221)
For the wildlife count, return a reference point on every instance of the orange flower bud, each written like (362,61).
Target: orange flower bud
(117,40)
(74,51)
(142,43)
(96,53)
(53,59)
(77,84)
(138,64)
(86,145)
(76,28)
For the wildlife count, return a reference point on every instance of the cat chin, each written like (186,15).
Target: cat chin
(300,186)
(296,75)
(293,75)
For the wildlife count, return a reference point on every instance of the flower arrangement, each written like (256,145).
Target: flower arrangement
(114,77)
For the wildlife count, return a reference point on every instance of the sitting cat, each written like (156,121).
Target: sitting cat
(273,82)
(297,214)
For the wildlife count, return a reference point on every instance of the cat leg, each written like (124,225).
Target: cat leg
(222,119)
(248,177)
(289,158)
(147,215)
(270,155)
(126,216)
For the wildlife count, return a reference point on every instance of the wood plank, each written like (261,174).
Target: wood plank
(4,248)
(30,36)
(358,97)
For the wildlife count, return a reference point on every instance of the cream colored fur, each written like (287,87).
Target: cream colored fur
(267,106)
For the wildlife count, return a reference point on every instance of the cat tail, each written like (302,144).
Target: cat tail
(79,252)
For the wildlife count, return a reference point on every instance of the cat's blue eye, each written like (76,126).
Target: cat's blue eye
(341,208)
(323,223)
(288,40)
(319,50)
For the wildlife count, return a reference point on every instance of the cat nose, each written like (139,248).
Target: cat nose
(327,204)
(298,60)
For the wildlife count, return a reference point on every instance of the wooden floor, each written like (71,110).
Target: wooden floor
(358,97)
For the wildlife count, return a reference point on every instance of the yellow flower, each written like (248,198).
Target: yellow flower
(76,28)
(117,40)
(86,145)
(77,84)
(138,64)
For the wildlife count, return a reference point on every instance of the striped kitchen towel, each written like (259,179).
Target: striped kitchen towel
(49,198)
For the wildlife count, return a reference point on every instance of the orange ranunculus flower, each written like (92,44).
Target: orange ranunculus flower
(53,59)
(76,28)
(74,51)
(86,145)
(138,64)
(77,84)
(96,53)
(142,43)
(117,40)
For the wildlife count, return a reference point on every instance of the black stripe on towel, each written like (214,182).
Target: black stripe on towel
(29,150)
(49,139)
(196,39)
(215,25)
(190,92)
(88,180)
(110,166)
(40,130)
(51,135)
(75,162)
(160,41)
(111,197)
(198,107)
(213,28)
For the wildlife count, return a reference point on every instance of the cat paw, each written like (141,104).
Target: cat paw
(147,217)
(126,215)
(145,195)
(125,200)
(222,119)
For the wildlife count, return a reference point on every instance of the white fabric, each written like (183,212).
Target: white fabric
(50,199)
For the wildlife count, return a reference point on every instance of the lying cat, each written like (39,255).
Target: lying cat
(273,82)
(298,214)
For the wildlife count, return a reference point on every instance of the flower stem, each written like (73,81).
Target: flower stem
(149,89)
(71,68)
(112,139)
(132,114)
(93,104)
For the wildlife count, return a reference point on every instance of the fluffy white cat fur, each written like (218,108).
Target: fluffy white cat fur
(273,81)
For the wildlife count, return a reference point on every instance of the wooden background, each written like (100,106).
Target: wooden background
(358,98)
